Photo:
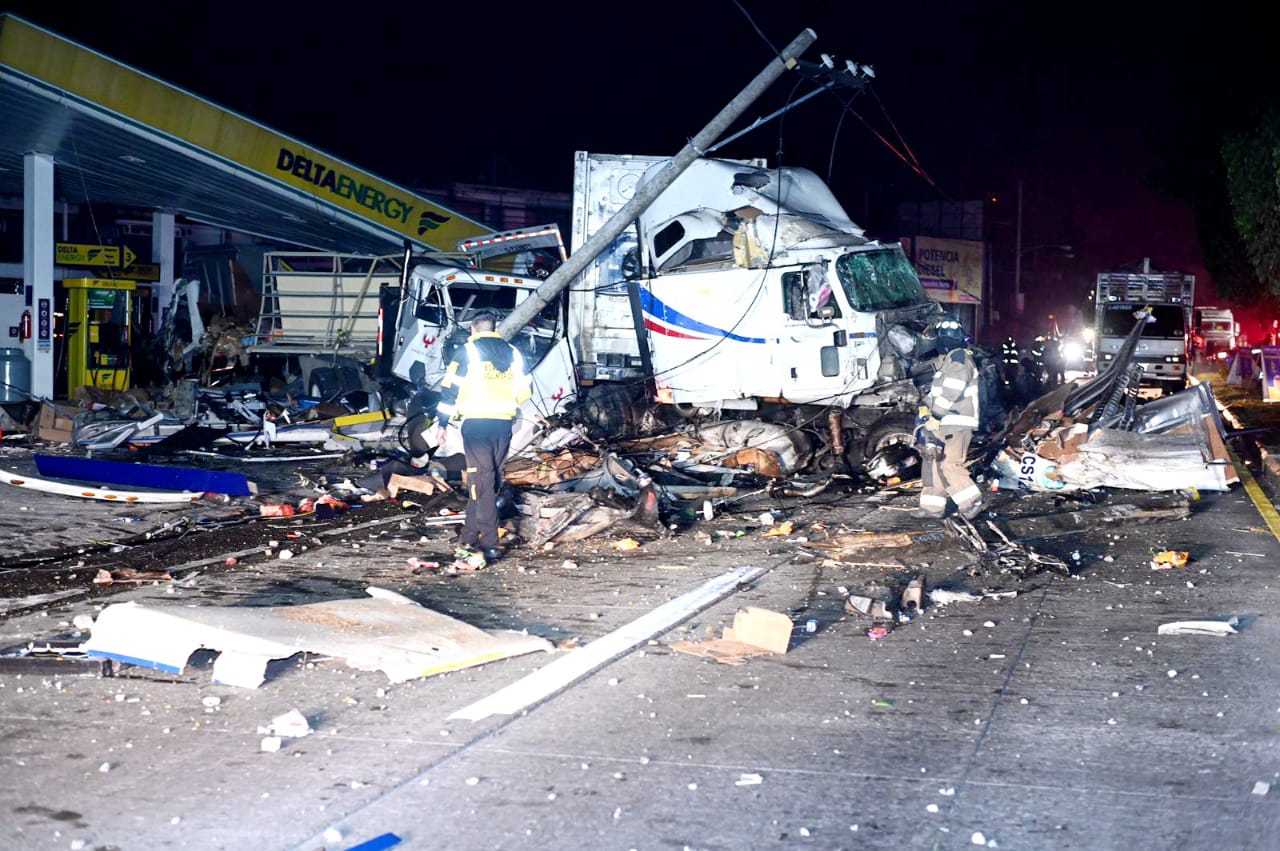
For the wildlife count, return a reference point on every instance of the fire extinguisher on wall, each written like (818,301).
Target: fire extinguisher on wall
(24,326)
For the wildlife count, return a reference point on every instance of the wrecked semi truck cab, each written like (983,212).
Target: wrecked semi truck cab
(440,299)
(1162,348)
(745,291)
(327,318)
(741,293)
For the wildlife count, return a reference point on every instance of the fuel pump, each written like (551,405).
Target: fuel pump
(100,336)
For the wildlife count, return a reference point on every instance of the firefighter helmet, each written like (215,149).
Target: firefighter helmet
(946,334)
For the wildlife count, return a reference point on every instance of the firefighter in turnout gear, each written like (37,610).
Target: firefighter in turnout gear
(946,425)
(1010,361)
(483,389)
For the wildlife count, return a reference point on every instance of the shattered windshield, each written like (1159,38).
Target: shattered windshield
(1166,321)
(879,280)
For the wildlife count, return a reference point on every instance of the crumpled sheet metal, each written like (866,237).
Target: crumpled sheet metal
(773,449)
(1151,462)
(1176,442)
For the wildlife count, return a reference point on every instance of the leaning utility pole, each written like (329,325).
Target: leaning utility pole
(649,191)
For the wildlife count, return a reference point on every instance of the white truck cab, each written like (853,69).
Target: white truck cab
(751,285)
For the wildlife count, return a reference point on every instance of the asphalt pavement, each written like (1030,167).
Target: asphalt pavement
(1054,718)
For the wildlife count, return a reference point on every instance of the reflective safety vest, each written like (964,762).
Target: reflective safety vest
(1009,351)
(487,382)
(953,398)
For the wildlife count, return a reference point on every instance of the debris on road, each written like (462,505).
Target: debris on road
(291,725)
(1169,559)
(384,631)
(1204,627)
(67,488)
(158,477)
(755,632)
(130,575)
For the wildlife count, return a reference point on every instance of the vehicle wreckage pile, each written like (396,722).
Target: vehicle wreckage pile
(571,482)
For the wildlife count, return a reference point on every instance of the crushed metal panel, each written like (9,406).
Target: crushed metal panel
(788,448)
(1154,462)
(384,631)
(1187,406)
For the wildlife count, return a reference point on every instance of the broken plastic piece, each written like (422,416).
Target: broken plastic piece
(781,530)
(626,544)
(378,843)
(913,596)
(384,631)
(1169,559)
(1227,627)
(291,725)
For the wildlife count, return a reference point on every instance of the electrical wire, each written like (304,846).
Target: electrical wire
(84,189)
(897,132)
(893,148)
(756,27)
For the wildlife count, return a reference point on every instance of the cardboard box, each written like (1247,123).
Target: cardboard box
(755,632)
(56,423)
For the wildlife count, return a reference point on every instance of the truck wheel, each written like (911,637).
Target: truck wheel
(890,442)
(348,379)
(610,410)
(323,384)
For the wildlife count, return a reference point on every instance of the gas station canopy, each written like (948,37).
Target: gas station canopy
(122,138)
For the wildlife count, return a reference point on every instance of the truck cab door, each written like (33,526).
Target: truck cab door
(813,356)
(420,333)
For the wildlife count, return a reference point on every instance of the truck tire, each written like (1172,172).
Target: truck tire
(348,378)
(323,384)
(892,435)
(611,410)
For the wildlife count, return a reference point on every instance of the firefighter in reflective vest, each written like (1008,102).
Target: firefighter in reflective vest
(483,389)
(946,425)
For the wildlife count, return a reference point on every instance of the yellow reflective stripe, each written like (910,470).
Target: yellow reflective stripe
(942,402)
(960,420)
(955,383)
(931,500)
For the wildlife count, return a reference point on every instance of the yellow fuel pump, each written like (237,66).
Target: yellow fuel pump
(98,321)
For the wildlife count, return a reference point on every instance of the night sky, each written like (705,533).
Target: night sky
(1109,113)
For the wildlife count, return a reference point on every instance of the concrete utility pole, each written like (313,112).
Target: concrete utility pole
(648,192)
